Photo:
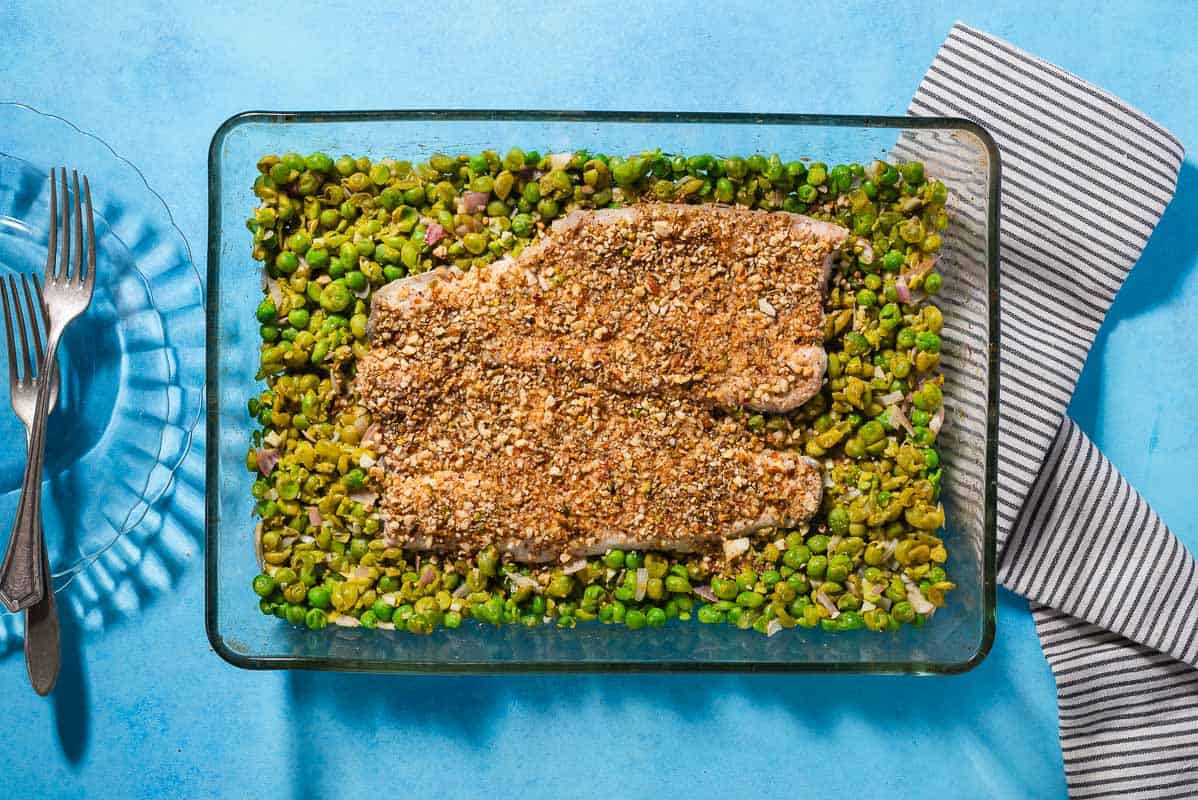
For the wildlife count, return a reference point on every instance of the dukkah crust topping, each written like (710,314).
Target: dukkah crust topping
(559,403)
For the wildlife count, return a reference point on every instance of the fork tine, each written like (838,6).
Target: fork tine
(52,244)
(33,302)
(26,355)
(64,262)
(77,266)
(10,335)
(91,236)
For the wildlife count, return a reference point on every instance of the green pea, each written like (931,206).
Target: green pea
(817,174)
(315,619)
(912,172)
(298,318)
(928,342)
(286,262)
(817,566)
(335,296)
(724,190)
(674,583)
(655,617)
(866,298)
(319,597)
(932,283)
(267,312)
(893,261)
(635,619)
(264,585)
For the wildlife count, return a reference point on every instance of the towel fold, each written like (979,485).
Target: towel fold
(1085,178)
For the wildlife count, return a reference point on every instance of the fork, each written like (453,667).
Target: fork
(42,654)
(66,293)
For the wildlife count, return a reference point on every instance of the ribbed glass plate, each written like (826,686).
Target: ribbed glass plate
(131,372)
(957,151)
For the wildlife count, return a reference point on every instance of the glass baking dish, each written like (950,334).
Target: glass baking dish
(958,152)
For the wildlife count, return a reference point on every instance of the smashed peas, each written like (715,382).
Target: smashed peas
(330,231)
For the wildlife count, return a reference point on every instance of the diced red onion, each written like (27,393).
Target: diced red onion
(364,497)
(472,202)
(575,566)
(427,576)
(258,546)
(920,603)
(772,627)
(735,547)
(462,590)
(361,573)
(436,233)
(705,592)
(642,583)
(899,419)
(276,294)
(827,603)
(314,518)
(890,398)
(268,459)
(523,581)
(937,421)
(901,290)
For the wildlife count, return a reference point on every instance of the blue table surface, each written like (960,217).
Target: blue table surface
(147,709)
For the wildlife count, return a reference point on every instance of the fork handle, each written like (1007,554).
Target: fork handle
(43,653)
(21,579)
(21,572)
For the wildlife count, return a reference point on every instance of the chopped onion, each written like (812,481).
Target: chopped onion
(575,566)
(273,439)
(866,256)
(833,541)
(267,458)
(361,573)
(705,592)
(387,626)
(314,517)
(346,621)
(365,461)
(885,602)
(827,603)
(560,160)
(642,583)
(392,598)
(772,627)
(898,419)
(462,590)
(427,576)
(371,434)
(878,373)
(523,581)
(362,293)
(435,233)
(472,202)
(867,605)
(901,290)
(258,546)
(735,547)
(937,421)
(891,398)
(780,544)
(276,294)
(364,497)
(920,603)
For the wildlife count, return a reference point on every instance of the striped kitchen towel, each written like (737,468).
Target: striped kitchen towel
(1085,178)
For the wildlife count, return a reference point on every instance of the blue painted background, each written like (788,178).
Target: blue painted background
(145,709)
